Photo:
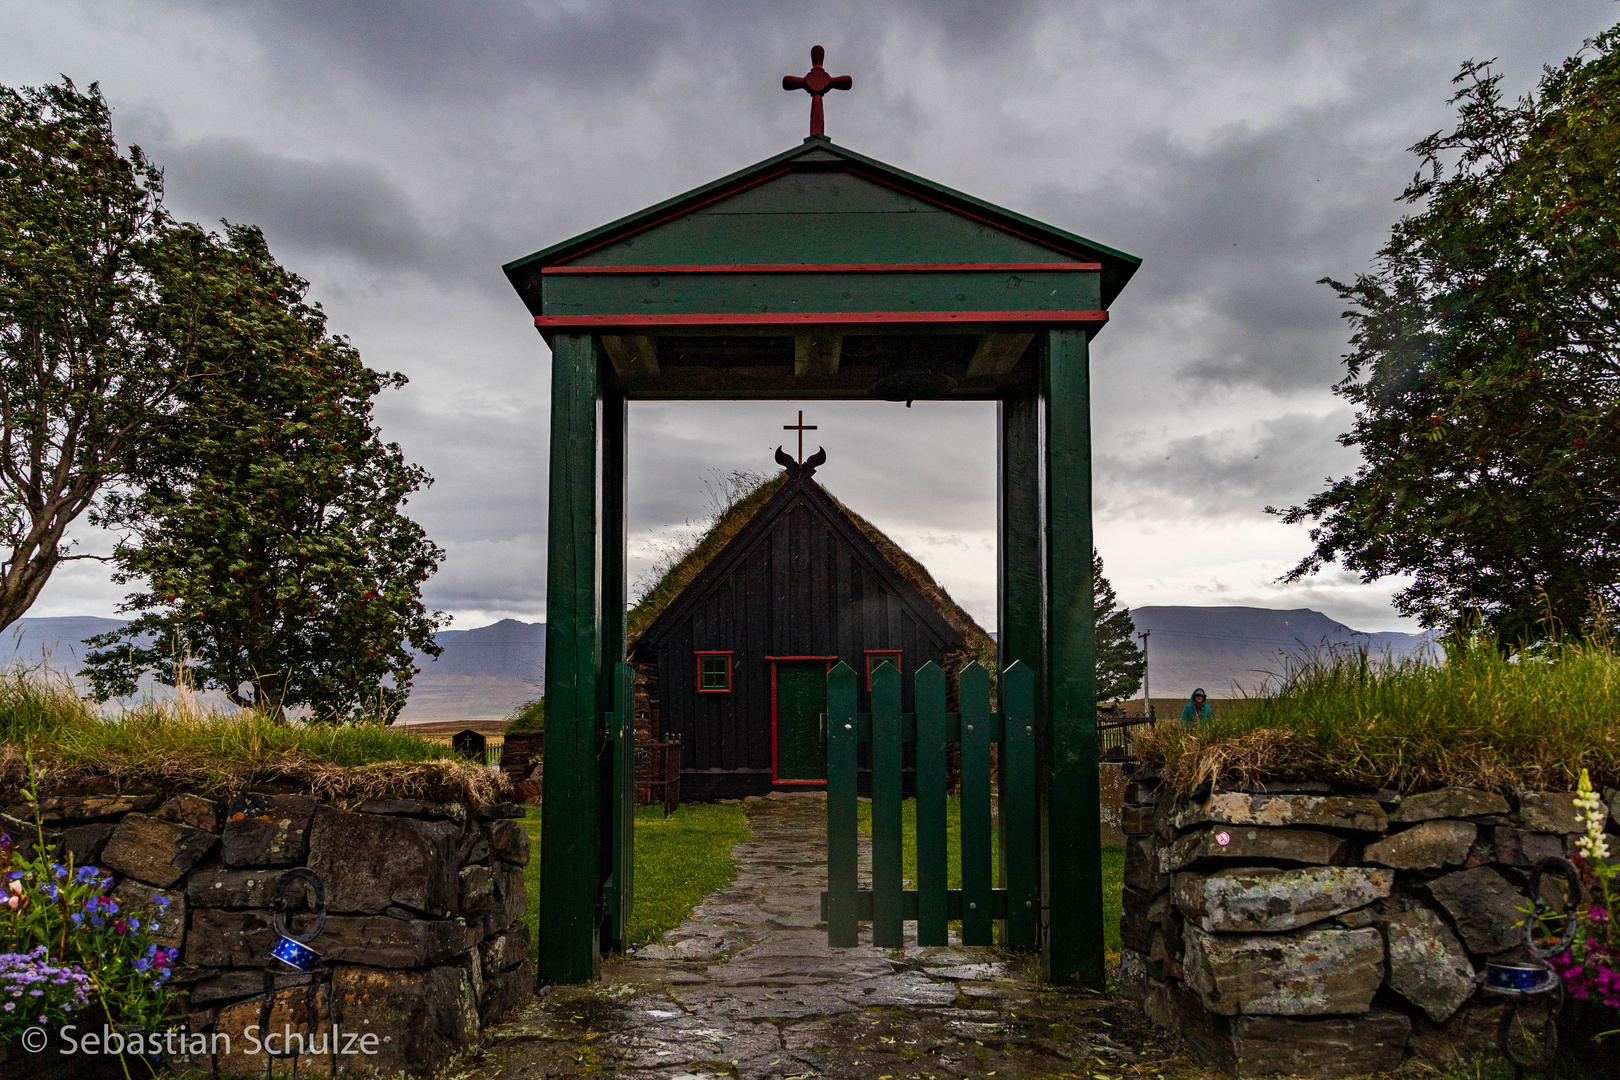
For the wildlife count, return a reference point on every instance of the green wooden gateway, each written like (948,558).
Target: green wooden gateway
(824,274)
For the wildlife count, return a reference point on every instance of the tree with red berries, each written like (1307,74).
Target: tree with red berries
(1485,367)
(266,529)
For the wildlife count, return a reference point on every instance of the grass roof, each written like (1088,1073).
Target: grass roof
(727,524)
(742,510)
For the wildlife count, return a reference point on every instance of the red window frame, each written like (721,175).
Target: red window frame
(882,654)
(701,655)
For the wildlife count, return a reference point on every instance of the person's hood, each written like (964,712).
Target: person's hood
(1198,691)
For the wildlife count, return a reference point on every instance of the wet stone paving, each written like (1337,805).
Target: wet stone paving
(748,988)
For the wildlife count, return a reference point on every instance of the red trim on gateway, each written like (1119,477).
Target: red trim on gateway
(827,268)
(828,660)
(820,318)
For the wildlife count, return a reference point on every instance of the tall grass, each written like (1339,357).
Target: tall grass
(182,746)
(1480,718)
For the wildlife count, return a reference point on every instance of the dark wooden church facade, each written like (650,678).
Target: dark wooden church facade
(736,664)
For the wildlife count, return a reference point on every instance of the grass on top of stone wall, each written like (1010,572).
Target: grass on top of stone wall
(1479,718)
(175,746)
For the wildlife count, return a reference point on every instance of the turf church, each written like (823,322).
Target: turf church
(733,646)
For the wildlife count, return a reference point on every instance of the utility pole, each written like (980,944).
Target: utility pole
(1147,702)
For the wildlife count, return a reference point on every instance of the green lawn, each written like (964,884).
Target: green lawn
(679,861)
(1113,859)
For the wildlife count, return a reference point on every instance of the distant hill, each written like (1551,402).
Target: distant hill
(481,674)
(1225,648)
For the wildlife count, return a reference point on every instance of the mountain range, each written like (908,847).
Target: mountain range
(482,673)
(1227,650)
(486,672)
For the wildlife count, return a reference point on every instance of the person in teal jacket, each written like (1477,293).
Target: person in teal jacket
(1197,707)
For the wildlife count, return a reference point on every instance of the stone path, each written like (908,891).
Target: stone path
(748,988)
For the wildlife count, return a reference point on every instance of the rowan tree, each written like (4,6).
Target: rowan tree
(1121,662)
(1485,366)
(266,530)
(85,375)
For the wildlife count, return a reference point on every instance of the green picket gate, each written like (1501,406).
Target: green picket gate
(618,889)
(933,905)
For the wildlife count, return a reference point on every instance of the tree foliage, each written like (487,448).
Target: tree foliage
(266,529)
(85,375)
(1485,365)
(1121,662)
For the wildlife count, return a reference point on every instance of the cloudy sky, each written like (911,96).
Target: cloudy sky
(396,153)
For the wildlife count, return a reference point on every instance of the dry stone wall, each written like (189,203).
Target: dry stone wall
(424,942)
(1294,929)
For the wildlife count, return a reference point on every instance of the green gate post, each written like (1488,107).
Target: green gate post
(1020,615)
(1072,846)
(611,614)
(571,825)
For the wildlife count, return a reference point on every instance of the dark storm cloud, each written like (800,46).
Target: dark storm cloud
(330,207)
(1217,472)
(427,48)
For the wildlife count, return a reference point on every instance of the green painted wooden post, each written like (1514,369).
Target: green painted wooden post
(888,925)
(928,695)
(1020,616)
(570,830)
(1071,860)
(616,788)
(974,691)
(621,890)
(1019,818)
(843,917)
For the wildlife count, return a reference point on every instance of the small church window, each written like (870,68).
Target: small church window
(714,672)
(874,657)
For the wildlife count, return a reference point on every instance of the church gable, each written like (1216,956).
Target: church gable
(799,566)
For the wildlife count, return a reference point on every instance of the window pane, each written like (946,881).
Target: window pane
(714,673)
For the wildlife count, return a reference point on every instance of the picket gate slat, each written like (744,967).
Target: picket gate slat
(888,923)
(976,879)
(928,690)
(1020,827)
(843,930)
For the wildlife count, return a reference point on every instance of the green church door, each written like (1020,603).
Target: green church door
(798,700)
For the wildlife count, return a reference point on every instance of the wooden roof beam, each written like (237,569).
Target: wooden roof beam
(632,354)
(816,356)
(996,356)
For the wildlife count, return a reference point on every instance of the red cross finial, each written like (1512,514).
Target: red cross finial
(816,82)
(801,427)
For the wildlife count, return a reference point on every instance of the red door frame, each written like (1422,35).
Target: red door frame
(828,661)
